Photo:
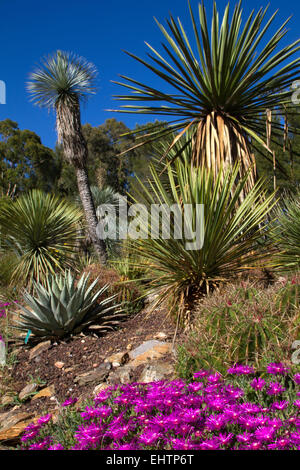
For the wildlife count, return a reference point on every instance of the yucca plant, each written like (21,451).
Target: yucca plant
(61,83)
(40,231)
(102,197)
(219,89)
(66,307)
(230,230)
(286,232)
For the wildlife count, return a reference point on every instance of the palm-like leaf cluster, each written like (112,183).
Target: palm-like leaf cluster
(230,230)
(103,197)
(61,83)
(41,231)
(62,77)
(222,87)
(65,307)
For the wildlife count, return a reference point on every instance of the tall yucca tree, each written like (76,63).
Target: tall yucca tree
(61,82)
(219,89)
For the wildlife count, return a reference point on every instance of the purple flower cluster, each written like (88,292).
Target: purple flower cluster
(3,308)
(210,413)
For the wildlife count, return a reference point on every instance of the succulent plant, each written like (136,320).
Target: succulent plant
(63,307)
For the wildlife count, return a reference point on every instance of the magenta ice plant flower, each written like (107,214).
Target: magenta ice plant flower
(239,369)
(258,383)
(69,402)
(275,368)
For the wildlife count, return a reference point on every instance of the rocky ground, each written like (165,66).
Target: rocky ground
(46,374)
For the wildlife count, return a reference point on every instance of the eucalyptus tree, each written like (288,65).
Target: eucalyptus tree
(61,83)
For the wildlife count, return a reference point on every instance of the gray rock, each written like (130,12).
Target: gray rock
(123,375)
(100,387)
(28,390)
(11,419)
(118,359)
(147,346)
(156,372)
(7,400)
(38,349)
(95,375)
(161,336)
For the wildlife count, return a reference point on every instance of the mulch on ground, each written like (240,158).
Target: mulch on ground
(82,354)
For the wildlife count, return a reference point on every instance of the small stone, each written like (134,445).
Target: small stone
(129,347)
(7,400)
(95,365)
(122,375)
(82,341)
(118,359)
(154,373)
(161,335)
(13,417)
(59,364)
(45,392)
(15,426)
(27,391)
(41,347)
(95,375)
(70,369)
(150,350)
(100,387)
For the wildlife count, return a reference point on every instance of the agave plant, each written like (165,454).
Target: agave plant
(65,307)
(230,230)
(40,231)
(221,89)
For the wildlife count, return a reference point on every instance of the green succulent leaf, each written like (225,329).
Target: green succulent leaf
(64,307)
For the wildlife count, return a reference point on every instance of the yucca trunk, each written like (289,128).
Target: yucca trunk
(75,151)
(90,212)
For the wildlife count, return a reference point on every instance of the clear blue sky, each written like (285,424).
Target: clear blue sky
(99,30)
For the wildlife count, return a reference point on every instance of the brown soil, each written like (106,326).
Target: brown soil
(82,354)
